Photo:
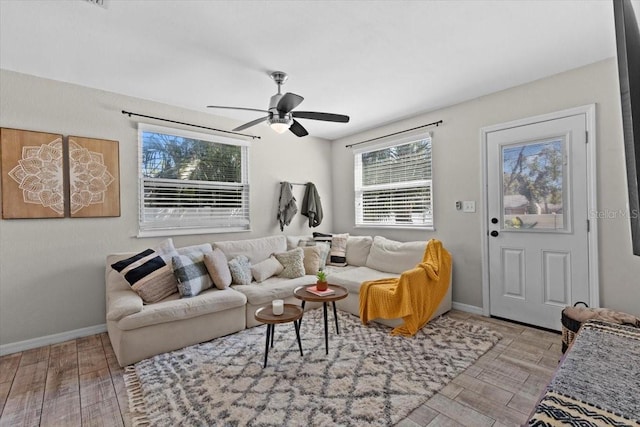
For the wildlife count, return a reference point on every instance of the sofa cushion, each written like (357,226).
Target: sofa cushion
(352,278)
(191,273)
(174,308)
(394,257)
(273,288)
(338,251)
(255,250)
(240,269)
(265,269)
(202,248)
(218,268)
(294,241)
(358,248)
(148,274)
(293,263)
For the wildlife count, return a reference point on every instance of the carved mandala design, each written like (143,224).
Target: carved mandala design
(39,175)
(88,177)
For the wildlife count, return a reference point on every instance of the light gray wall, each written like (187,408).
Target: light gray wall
(52,270)
(458,176)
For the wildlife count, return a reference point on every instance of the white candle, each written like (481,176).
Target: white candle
(278,307)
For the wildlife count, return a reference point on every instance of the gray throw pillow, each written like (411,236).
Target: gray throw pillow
(191,273)
(218,268)
(240,268)
(293,264)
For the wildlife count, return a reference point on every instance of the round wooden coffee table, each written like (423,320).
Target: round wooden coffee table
(339,293)
(292,313)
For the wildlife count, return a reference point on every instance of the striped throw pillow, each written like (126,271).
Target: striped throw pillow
(338,253)
(149,276)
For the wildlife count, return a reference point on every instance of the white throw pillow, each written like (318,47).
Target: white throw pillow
(265,269)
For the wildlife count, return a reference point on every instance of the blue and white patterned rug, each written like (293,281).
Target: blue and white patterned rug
(368,378)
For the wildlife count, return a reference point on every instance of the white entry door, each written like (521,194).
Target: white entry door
(537,207)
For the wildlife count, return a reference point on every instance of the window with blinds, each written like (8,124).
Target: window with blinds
(393,186)
(191,182)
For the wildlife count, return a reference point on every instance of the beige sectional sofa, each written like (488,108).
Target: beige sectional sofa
(138,331)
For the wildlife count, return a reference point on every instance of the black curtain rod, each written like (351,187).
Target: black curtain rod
(395,133)
(293,183)
(188,124)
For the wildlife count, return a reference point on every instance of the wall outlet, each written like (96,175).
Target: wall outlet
(468,206)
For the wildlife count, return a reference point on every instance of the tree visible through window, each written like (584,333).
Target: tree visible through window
(393,185)
(192,181)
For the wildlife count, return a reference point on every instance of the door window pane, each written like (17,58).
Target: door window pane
(533,186)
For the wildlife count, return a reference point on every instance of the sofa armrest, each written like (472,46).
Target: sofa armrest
(122,303)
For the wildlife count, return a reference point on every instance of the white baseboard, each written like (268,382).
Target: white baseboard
(15,347)
(466,308)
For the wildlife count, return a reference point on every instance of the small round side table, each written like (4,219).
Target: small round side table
(292,313)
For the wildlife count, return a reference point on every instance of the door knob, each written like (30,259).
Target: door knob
(494,220)
(494,233)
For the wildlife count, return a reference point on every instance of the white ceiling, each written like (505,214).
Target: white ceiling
(377,61)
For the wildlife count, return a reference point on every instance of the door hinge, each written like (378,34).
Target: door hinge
(586,136)
(588,226)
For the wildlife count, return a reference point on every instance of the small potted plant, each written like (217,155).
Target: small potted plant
(322,284)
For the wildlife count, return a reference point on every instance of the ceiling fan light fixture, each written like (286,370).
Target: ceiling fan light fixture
(280,125)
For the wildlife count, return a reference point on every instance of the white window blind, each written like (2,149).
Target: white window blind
(191,182)
(393,184)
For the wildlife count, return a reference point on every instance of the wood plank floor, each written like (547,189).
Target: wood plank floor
(79,383)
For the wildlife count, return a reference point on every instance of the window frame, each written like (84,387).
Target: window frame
(146,229)
(359,189)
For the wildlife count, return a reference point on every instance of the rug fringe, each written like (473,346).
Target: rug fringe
(136,399)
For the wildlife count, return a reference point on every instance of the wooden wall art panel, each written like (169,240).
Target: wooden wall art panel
(32,174)
(94,178)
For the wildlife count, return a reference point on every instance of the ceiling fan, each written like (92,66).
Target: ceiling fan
(280,115)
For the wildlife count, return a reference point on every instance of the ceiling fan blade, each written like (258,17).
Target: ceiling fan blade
(288,102)
(237,108)
(298,129)
(251,123)
(327,117)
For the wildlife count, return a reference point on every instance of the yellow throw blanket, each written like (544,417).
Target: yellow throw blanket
(414,296)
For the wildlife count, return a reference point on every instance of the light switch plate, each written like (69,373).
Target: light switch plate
(468,206)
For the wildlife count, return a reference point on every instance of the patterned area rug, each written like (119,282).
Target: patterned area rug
(368,378)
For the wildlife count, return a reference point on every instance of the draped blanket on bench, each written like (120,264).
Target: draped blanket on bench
(597,383)
(414,296)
